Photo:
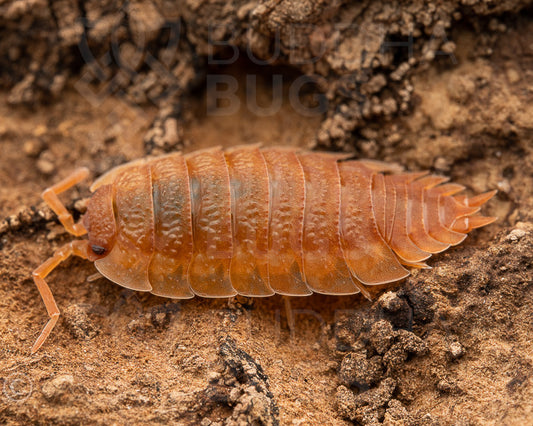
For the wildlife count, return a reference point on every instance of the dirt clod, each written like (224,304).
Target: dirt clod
(357,370)
(396,310)
(78,322)
(366,407)
(252,401)
(58,388)
(381,336)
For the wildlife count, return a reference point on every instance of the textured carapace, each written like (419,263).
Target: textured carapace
(257,222)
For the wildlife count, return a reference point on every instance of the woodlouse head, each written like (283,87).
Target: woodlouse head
(100,223)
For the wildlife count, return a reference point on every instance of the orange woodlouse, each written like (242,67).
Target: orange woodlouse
(257,222)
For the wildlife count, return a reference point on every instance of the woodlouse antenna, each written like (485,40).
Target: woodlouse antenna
(50,196)
(74,248)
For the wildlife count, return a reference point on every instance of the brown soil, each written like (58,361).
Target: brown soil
(450,345)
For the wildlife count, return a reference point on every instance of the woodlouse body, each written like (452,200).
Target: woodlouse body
(257,222)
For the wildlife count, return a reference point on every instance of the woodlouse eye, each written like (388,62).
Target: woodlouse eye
(97,250)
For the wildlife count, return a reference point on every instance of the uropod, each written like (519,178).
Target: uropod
(258,222)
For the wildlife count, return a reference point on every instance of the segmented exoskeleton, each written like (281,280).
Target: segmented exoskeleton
(257,222)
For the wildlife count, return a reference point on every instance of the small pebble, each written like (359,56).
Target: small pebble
(45,163)
(446,386)
(40,130)
(504,186)
(33,147)
(515,235)
(448,47)
(213,376)
(390,301)
(57,387)
(55,231)
(14,222)
(512,75)
(456,350)
(81,205)
(442,164)
(394,138)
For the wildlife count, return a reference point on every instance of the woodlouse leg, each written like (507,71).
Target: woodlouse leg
(50,197)
(363,289)
(74,248)
(289,313)
(94,277)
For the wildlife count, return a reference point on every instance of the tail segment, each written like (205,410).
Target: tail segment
(419,215)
